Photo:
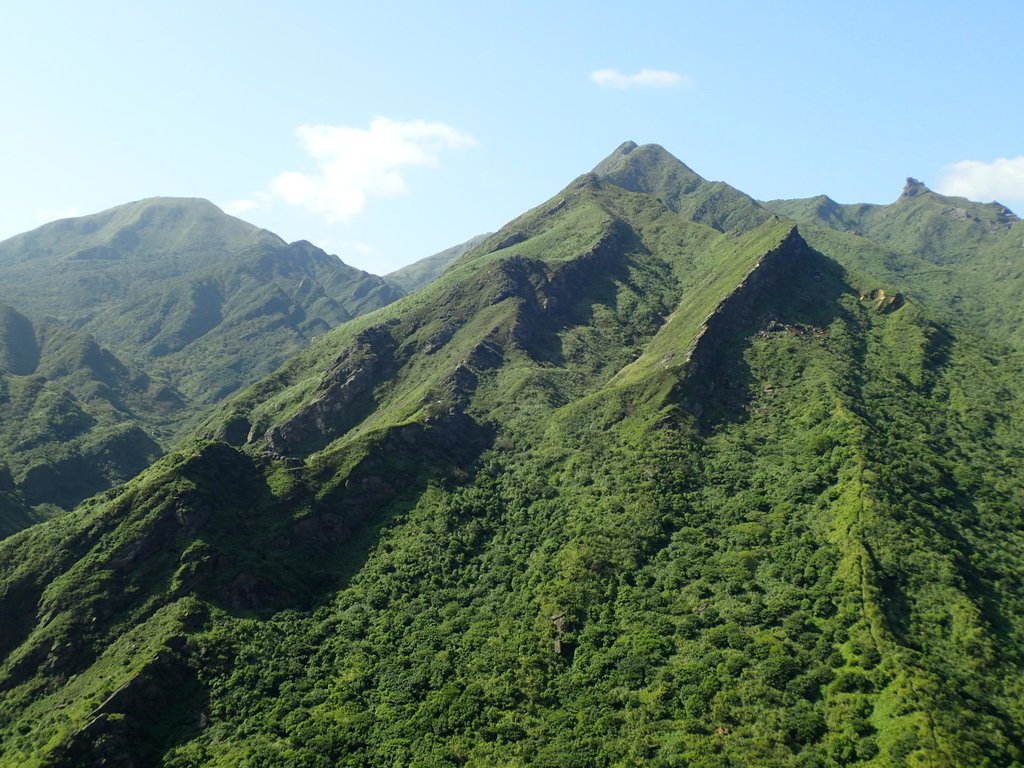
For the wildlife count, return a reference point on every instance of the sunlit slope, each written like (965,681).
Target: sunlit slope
(963,260)
(175,285)
(619,488)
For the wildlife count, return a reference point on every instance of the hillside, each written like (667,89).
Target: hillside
(961,258)
(181,289)
(416,275)
(644,478)
(122,328)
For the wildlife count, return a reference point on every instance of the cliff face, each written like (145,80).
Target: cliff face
(790,289)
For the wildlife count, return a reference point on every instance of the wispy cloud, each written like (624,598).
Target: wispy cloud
(1002,179)
(645,78)
(239,207)
(351,165)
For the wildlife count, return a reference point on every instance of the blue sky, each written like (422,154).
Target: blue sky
(386,132)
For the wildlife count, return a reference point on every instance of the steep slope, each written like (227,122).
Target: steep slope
(74,419)
(15,513)
(964,260)
(176,286)
(419,273)
(618,488)
(652,170)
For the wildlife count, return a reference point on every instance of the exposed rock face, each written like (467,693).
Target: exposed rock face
(125,729)
(344,393)
(448,440)
(509,241)
(960,214)
(548,298)
(884,302)
(745,311)
(913,188)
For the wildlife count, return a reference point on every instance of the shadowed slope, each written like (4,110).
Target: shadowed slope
(618,488)
(963,260)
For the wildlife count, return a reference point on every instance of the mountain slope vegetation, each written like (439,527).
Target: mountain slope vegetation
(644,478)
(190,294)
(961,258)
(124,327)
(419,273)
(74,419)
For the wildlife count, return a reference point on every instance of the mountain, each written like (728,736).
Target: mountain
(644,478)
(188,293)
(416,275)
(122,328)
(74,419)
(960,257)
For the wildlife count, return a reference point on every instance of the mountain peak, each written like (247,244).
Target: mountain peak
(913,188)
(648,168)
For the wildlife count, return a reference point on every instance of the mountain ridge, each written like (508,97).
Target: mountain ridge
(120,329)
(959,257)
(629,483)
(154,277)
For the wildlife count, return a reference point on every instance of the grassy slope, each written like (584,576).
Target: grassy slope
(964,260)
(171,287)
(205,300)
(617,489)
(74,419)
(418,274)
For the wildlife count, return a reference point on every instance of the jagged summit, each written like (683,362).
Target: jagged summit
(913,188)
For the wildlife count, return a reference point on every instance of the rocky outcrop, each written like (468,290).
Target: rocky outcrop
(752,306)
(882,301)
(508,241)
(913,188)
(128,727)
(343,397)
(550,299)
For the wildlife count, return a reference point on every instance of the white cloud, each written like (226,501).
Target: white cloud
(238,207)
(1002,179)
(353,164)
(645,78)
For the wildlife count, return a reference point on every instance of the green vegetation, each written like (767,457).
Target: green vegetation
(74,420)
(959,258)
(626,485)
(189,304)
(186,292)
(419,273)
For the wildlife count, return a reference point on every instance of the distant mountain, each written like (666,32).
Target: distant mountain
(123,327)
(185,291)
(644,478)
(961,258)
(419,273)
